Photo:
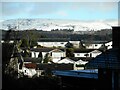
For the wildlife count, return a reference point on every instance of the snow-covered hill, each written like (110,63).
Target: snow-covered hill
(50,24)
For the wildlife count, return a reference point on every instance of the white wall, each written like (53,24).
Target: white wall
(93,46)
(81,54)
(43,54)
(58,54)
(34,54)
(95,54)
(109,45)
(91,54)
(75,43)
(51,44)
(28,72)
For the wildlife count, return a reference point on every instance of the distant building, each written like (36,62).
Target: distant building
(55,54)
(53,42)
(94,44)
(86,53)
(57,42)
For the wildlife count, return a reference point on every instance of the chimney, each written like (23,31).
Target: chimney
(116,36)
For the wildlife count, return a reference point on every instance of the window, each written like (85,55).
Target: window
(78,54)
(95,44)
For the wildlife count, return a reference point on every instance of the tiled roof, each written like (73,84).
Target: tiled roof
(109,60)
(30,65)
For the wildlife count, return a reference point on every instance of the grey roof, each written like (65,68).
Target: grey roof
(41,49)
(78,73)
(109,60)
(94,42)
(33,60)
(53,40)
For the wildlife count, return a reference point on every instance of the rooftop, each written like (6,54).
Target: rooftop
(109,60)
(78,73)
(46,49)
(53,40)
(94,42)
(33,60)
(83,51)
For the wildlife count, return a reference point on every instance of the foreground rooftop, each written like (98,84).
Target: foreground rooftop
(92,74)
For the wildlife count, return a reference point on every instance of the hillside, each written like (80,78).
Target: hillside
(56,24)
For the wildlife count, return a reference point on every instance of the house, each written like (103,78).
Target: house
(29,69)
(29,66)
(55,54)
(86,53)
(94,53)
(78,63)
(75,43)
(52,42)
(108,65)
(57,42)
(82,53)
(93,44)
(39,52)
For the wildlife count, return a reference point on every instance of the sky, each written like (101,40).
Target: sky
(60,10)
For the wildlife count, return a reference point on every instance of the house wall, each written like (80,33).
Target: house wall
(89,54)
(51,44)
(75,43)
(43,54)
(56,56)
(29,72)
(58,44)
(94,54)
(109,45)
(80,55)
(92,46)
(34,54)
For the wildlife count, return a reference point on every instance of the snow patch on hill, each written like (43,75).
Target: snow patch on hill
(50,24)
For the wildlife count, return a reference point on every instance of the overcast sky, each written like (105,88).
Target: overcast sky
(60,10)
